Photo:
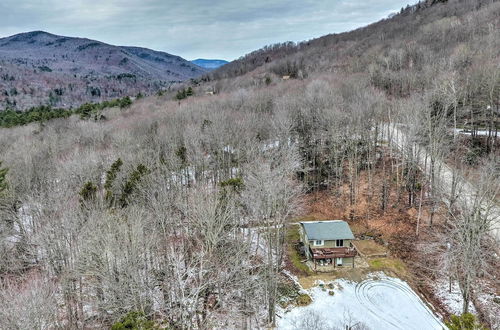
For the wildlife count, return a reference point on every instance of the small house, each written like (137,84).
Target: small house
(328,242)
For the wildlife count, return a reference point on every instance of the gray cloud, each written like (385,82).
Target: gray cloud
(193,28)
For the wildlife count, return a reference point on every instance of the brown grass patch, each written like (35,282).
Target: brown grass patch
(392,266)
(369,248)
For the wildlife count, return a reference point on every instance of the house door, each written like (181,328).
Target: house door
(339,261)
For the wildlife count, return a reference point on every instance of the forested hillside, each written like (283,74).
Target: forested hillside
(174,211)
(39,68)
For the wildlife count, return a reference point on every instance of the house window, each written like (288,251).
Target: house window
(339,243)
(319,243)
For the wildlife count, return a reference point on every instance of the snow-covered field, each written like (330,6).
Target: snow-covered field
(379,302)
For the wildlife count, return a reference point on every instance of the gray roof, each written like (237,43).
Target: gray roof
(327,230)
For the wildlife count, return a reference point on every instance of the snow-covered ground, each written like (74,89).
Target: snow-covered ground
(379,302)
(467,132)
(24,223)
(452,301)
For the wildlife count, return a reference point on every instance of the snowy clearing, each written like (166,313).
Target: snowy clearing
(379,302)
(453,300)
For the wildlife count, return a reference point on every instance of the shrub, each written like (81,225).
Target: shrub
(134,321)
(88,192)
(45,68)
(184,93)
(466,321)
(236,183)
(303,300)
(181,152)
(287,289)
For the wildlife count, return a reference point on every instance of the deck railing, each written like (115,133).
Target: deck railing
(338,252)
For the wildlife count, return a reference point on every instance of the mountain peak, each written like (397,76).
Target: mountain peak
(209,64)
(70,70)
(30,35)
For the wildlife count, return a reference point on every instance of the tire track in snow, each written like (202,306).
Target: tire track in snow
(372,294)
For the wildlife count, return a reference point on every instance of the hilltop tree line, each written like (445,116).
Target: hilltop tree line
(43,113)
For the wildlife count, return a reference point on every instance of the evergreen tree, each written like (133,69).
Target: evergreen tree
(181,94)
(131,184)
(86,110)
(3,179)
(125,102)
(110,179)
(88,192)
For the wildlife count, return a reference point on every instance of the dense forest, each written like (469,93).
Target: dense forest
(172,210)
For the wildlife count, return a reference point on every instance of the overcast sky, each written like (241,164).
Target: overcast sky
(225,29)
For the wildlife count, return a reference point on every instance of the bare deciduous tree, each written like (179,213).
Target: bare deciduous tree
(474,217)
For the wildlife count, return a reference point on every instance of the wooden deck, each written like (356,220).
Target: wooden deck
(330,253)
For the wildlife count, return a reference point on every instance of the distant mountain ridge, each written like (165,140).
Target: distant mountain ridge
(209,64)
(43,68)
